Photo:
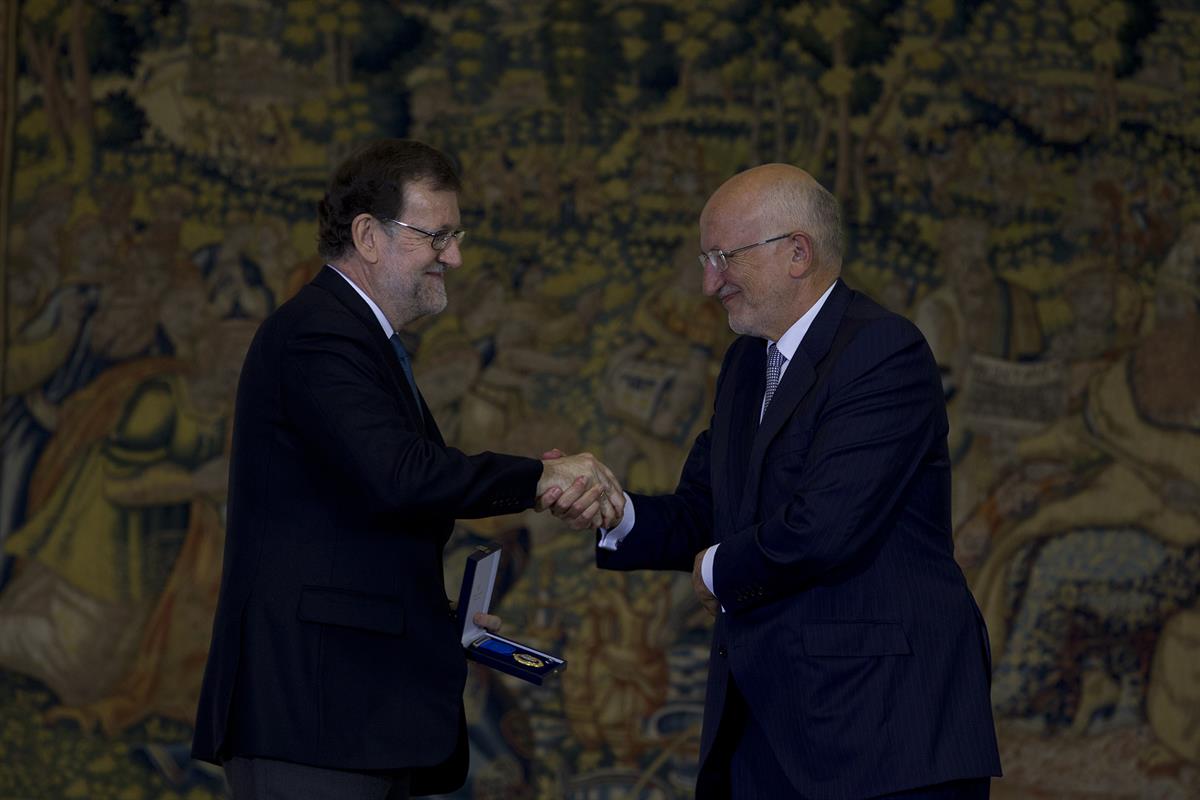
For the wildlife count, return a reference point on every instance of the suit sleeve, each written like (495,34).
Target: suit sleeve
(670,529)
(881,419)
(338,393)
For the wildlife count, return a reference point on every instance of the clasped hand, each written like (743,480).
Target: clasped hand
(580,490)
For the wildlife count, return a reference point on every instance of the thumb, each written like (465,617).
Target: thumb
(550,455)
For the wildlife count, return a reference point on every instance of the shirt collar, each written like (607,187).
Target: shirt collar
(791,338)
(383,321)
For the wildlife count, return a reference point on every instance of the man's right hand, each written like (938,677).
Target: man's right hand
(580,490)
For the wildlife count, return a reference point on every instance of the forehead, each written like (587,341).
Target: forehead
(723,221)
(422,200)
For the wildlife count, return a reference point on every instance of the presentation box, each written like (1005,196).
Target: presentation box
(490,649)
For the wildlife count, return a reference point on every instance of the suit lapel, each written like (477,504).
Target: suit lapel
(738,408)
(332,282)
(426,416)
(797,381)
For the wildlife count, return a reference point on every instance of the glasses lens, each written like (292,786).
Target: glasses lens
(441,240)
(714,259)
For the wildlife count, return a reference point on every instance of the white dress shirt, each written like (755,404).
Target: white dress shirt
(787,345)
(388,330)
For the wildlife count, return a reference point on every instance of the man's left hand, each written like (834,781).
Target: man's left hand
(706,598)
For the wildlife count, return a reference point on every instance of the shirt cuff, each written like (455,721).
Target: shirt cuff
(611,539)
(706,569)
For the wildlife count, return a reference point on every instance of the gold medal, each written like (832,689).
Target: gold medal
(527,660)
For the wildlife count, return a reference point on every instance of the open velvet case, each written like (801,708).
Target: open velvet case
(492,650)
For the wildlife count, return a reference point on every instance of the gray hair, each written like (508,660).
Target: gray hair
(810,203)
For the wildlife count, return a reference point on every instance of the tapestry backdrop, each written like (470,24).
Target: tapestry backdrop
(1019,177)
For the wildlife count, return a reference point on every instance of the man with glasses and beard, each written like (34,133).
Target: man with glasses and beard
(336,668)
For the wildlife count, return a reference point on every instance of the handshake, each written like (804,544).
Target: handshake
(580,490)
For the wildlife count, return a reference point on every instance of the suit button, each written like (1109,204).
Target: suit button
(722,652)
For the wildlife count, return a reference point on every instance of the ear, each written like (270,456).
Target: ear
(801,262)
(366,238)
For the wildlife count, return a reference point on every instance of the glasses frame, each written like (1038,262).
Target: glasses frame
(718,259)
(439,240)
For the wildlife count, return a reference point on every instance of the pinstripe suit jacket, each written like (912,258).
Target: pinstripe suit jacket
(848,626)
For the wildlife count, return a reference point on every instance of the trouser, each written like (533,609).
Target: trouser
(748,770)
(266,779)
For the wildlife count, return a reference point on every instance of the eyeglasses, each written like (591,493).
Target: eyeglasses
(718,259)
(440,239)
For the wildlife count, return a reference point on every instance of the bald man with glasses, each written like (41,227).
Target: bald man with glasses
(848,658)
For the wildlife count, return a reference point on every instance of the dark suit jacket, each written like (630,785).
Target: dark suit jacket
(333,645)
(848,626)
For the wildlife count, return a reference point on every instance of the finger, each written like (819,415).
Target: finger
(567,499)
(610,512)
(584,519)
(489,622)
(568,496)
(618,504)
(610,483)
(579,509)
(548,497)
(552,454)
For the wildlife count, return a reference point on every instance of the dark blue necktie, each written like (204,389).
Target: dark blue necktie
(405,364)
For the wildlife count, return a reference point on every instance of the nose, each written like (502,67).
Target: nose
(713,280)
(451,256)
